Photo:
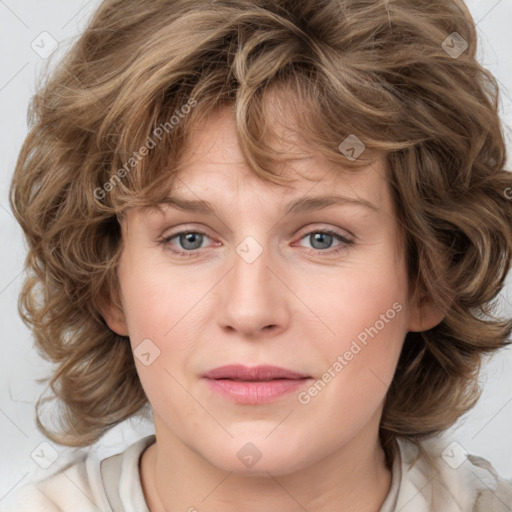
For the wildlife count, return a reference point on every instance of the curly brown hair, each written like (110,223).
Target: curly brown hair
(103,140)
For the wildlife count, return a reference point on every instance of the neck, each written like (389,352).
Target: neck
(353,478)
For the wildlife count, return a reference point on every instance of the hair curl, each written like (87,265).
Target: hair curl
(376,69)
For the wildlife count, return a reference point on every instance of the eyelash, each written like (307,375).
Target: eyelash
(345,242)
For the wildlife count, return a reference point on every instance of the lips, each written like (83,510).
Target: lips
(256,385)
(256,373)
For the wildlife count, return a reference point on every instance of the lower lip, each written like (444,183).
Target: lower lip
(255,392)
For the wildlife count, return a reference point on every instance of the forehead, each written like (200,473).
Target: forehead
(212,159)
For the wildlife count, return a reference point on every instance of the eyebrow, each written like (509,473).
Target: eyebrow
(299,206)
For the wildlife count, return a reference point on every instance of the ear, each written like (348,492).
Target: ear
(114,315)
(115,319)
(424,316)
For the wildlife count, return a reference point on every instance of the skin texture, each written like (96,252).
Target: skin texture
(296,306)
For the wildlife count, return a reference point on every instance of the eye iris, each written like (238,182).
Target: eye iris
(323,239)
(191,241)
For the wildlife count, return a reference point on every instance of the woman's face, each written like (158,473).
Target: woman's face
(306,278)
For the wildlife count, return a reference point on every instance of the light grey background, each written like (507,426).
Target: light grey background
(484,431)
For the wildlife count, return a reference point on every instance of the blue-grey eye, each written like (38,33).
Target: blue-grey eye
(191,241)
(321,240)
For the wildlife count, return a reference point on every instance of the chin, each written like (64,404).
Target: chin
(258,457)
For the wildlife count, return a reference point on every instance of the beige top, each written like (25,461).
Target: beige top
(439,480)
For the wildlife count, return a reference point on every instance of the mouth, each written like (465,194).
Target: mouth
(256,385)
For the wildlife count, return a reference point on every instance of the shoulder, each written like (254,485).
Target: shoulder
(439,475)
(76,487)
(80,486)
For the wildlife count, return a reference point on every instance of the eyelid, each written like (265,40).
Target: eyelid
(180,229)
(343,233)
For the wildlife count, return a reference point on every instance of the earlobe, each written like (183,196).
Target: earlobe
(424,316)
(114,316)
(115,319)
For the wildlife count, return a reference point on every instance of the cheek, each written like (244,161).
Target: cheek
(364,316)
(366,311)
(157,301)
(352,301)
(165,308)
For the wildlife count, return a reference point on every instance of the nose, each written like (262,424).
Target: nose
(253,298)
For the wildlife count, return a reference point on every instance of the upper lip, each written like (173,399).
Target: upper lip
(254,373)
